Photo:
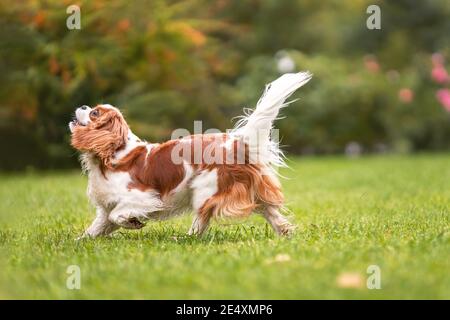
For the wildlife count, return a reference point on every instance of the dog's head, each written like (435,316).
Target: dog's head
(101,130)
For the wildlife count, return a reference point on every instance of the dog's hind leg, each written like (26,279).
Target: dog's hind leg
(199,224)
(279,223)
(204,187)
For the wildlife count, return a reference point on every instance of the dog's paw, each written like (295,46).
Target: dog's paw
(286,230)
(133,223)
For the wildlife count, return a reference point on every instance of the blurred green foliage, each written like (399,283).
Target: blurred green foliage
(168,63)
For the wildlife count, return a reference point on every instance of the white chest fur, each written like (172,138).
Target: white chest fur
(109,189)
(112,190)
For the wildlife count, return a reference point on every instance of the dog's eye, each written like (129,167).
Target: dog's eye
(94,113)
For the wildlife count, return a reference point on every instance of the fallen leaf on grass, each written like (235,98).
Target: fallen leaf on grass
(350,280)
(279,258)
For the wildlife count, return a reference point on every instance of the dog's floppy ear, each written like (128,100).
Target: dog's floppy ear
(103,137)
(113,122)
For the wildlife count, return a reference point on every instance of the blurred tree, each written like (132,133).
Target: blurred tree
(168,63)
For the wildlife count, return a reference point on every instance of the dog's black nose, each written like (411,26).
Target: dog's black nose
(83,107)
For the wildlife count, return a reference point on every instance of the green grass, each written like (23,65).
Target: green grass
(391,211)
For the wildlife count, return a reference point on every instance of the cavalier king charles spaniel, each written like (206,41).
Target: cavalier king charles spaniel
(216,174)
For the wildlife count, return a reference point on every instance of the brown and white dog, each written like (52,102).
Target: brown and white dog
(217,175)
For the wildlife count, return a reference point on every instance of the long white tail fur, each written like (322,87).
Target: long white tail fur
(255,128)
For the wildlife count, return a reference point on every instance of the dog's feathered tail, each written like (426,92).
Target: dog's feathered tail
(255,128)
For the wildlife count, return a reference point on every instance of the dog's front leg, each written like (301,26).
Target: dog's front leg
(128,216)
(101,226)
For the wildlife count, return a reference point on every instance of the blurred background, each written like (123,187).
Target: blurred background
(168,63)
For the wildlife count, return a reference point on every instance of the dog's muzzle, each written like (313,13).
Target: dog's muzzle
(81,117)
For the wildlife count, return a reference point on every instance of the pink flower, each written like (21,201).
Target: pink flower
(371,63)
(439,74)
(443,96)
(406,95)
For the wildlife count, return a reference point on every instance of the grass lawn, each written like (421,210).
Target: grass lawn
(389,211)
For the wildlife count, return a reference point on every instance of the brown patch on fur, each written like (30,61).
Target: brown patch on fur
(155,171)
(213,153)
